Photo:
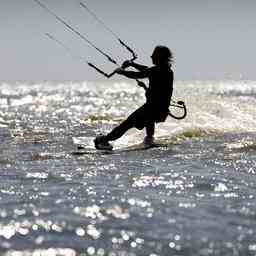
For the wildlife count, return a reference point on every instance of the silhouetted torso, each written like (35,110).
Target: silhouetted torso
(160,88)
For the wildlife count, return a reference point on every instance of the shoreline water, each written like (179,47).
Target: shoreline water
(196,196)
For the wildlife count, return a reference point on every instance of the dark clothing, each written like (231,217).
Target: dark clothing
(160,88)
(147,114)
(127,124)
(158,96)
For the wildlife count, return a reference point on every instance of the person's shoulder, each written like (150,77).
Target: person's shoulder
(169,69)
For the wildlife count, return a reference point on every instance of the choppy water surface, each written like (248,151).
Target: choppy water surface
(194,197)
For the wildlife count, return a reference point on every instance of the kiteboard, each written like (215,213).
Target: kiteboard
(85,146)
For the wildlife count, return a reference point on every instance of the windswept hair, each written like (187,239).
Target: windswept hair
(164,53)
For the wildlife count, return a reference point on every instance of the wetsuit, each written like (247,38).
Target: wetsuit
(158,96)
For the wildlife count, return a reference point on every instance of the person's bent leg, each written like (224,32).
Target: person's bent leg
(120,130)
(131,122)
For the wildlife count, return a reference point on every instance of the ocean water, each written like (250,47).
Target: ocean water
(195,196)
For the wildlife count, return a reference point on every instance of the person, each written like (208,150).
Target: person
(158,97)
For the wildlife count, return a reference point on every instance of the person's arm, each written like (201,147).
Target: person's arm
(133,74)
(137,66)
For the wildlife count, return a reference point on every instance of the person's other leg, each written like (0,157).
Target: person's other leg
(150,131)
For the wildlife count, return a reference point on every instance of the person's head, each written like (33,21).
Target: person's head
(162,55)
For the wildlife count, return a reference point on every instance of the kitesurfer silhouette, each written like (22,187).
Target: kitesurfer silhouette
(158,97)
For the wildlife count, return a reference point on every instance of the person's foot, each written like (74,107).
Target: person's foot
(101,143)
(148,141)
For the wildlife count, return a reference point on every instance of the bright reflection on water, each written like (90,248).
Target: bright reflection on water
(194,196)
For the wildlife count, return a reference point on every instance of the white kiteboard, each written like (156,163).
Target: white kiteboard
(85,145)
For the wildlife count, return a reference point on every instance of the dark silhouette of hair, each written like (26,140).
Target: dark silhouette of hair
(164,54)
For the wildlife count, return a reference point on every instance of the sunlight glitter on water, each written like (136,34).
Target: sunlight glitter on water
(193,197)
(43,252)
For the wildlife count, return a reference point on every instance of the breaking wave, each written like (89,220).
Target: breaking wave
(213,106)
